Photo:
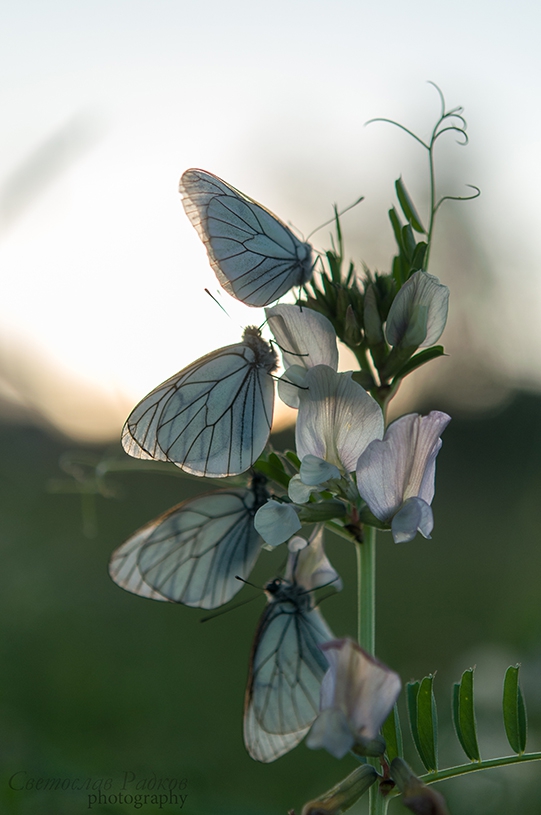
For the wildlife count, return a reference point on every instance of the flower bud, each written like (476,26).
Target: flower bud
(416,796)
(343,795)
(418,314)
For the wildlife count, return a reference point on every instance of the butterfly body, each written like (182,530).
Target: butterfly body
(213,418)
(193,553)
(255,256)
(286,669)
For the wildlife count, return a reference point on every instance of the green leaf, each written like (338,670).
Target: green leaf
(408,241)
(420,359)
(398,271)
(427,723)
(397,228)
(293,458)
(412,699)
(273,472)
(464,715)
(514,710)
(392,733)
(419,255)
(407,206)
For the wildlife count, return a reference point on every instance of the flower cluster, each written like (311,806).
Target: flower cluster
(341,443)
(349,470)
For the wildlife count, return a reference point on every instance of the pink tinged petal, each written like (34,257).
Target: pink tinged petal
(290,385)
(337,418)
(332,732)
(414,516)
(418,314)
(403,465)
(304,336)
(316,471)
(310,567)
(363,688)
(276,522)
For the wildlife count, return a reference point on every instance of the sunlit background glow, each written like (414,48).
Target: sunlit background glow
(106,104)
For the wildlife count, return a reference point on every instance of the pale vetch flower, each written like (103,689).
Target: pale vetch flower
(395,476)
(337,421)
(357,694)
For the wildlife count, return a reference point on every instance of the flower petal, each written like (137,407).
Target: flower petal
(418,314)
(304,336)
(290,384)
(331,731)
(310,567)
(403,465)
(414,516)
(298,492)
(316,470)
(337,418)
(276,522)
(356,683)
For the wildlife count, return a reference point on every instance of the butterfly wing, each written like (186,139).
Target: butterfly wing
(124,566)
(193,553)
(211,419)
(255,256)
(282,697)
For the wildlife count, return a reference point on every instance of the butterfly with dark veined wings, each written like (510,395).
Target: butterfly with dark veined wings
(286,666)
(255,256)
(193,553)
(213,418)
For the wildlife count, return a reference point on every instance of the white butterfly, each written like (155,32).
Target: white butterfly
(213,418)
(286,669)
(193,553)
(255,256)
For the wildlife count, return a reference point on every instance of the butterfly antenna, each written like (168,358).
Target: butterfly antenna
(335,216)
(285,351)
(218,303)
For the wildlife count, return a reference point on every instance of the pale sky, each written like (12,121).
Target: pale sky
(105,104)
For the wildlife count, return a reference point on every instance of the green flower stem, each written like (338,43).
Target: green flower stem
(366,583)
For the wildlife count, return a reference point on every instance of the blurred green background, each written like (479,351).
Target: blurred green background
(96,682)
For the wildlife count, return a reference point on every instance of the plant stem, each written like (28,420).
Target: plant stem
(366,586)
(366,628)
(475,766)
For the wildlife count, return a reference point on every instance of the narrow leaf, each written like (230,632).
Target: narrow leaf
(420,359)
(464,715)
(419,255)
(293,458)
(398,271)
(407,206)
(412,689)
(392,733)
(427,723)
(277,474)
(514,710)
(408,242)
(421,715)
(397,228)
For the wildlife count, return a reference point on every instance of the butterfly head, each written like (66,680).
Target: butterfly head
(265,356)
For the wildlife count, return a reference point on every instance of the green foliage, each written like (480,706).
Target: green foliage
(464,715)
(424,720)
(392,733)
(408,207)
(514,711)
